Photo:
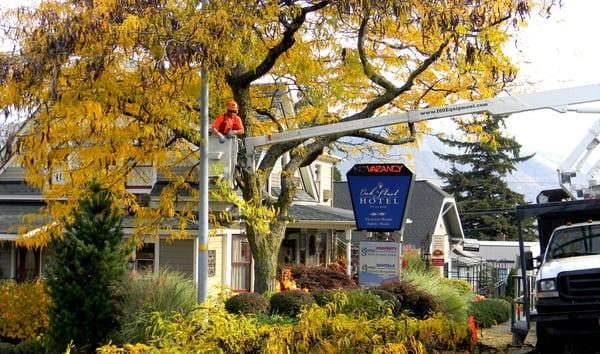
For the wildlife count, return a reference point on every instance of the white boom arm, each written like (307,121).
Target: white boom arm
(578,157)
(557,100)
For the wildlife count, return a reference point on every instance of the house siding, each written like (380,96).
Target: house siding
(215,282)
(177,256)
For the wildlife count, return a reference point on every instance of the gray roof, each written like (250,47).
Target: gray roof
(320,213)
(425,205)
(301,195)
(18,189)
(11,215)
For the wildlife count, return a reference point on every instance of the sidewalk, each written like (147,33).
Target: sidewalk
(499,337)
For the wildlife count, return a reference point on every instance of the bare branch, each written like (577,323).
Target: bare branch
(270,115)
(377,138)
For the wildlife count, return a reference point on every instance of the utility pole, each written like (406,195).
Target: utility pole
(202,266)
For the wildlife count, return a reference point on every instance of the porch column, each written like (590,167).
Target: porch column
(348,234)
(13,261)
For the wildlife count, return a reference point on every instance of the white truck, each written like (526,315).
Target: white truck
(563,297)
(567,286)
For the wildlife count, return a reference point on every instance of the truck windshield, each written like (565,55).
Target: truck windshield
(575,241)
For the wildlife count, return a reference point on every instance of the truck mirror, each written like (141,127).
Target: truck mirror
(528,260)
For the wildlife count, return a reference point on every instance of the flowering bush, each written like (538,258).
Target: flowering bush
(23,310)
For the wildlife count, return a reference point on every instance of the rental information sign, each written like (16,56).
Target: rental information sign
(379,194)
(378,262)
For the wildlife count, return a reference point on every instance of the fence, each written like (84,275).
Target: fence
(487,278)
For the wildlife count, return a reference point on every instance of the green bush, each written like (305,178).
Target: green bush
(247,303)
(489,312)
(365,303)
(168,293)
(387,296)
(323,297)
(510,283)
(30,347)
(412,299)
(320,278)
(454,302)
(290,302)
(7,348)
(462,286)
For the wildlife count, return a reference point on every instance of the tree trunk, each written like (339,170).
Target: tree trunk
(265,251)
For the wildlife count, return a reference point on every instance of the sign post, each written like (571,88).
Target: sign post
(379,194)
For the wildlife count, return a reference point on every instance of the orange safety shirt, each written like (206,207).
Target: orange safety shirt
(227,122)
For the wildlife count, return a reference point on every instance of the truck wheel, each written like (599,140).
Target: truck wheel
(547,343)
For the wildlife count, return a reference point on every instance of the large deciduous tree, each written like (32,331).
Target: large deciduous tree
(110,84)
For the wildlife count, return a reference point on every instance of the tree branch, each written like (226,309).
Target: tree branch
(367,68)
(270,115)
(247,77)
(390,95)
(377,138)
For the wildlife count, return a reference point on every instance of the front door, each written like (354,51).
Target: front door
(28,263)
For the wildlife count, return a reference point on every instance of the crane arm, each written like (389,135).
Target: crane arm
(557,100)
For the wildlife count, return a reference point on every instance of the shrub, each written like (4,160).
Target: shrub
(412,299)
(318,330)
(386,296)
(413,262)
(489,312)
(365,303)
(89,258)
(290,302)
(455,304)
(462,286)
(30,347)
(247,303)
(168,293)
(510,283)
(6,348)
(323,297)
(23,310)
(320,278)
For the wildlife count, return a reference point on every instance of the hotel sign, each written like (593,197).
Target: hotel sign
(379,194)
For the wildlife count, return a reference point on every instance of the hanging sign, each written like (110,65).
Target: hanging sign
(379,194)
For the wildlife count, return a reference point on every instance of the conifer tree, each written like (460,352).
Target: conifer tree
(476,179)
(88,259)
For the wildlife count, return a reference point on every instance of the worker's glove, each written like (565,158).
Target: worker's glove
(231,135)
(221,138)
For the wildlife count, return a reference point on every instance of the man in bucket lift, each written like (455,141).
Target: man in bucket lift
(228,125)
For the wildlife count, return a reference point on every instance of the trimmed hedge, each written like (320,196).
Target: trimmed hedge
(290,302)
(489,312)
(247,303)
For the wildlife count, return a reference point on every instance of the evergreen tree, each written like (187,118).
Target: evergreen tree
(89,259)
(486,203)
